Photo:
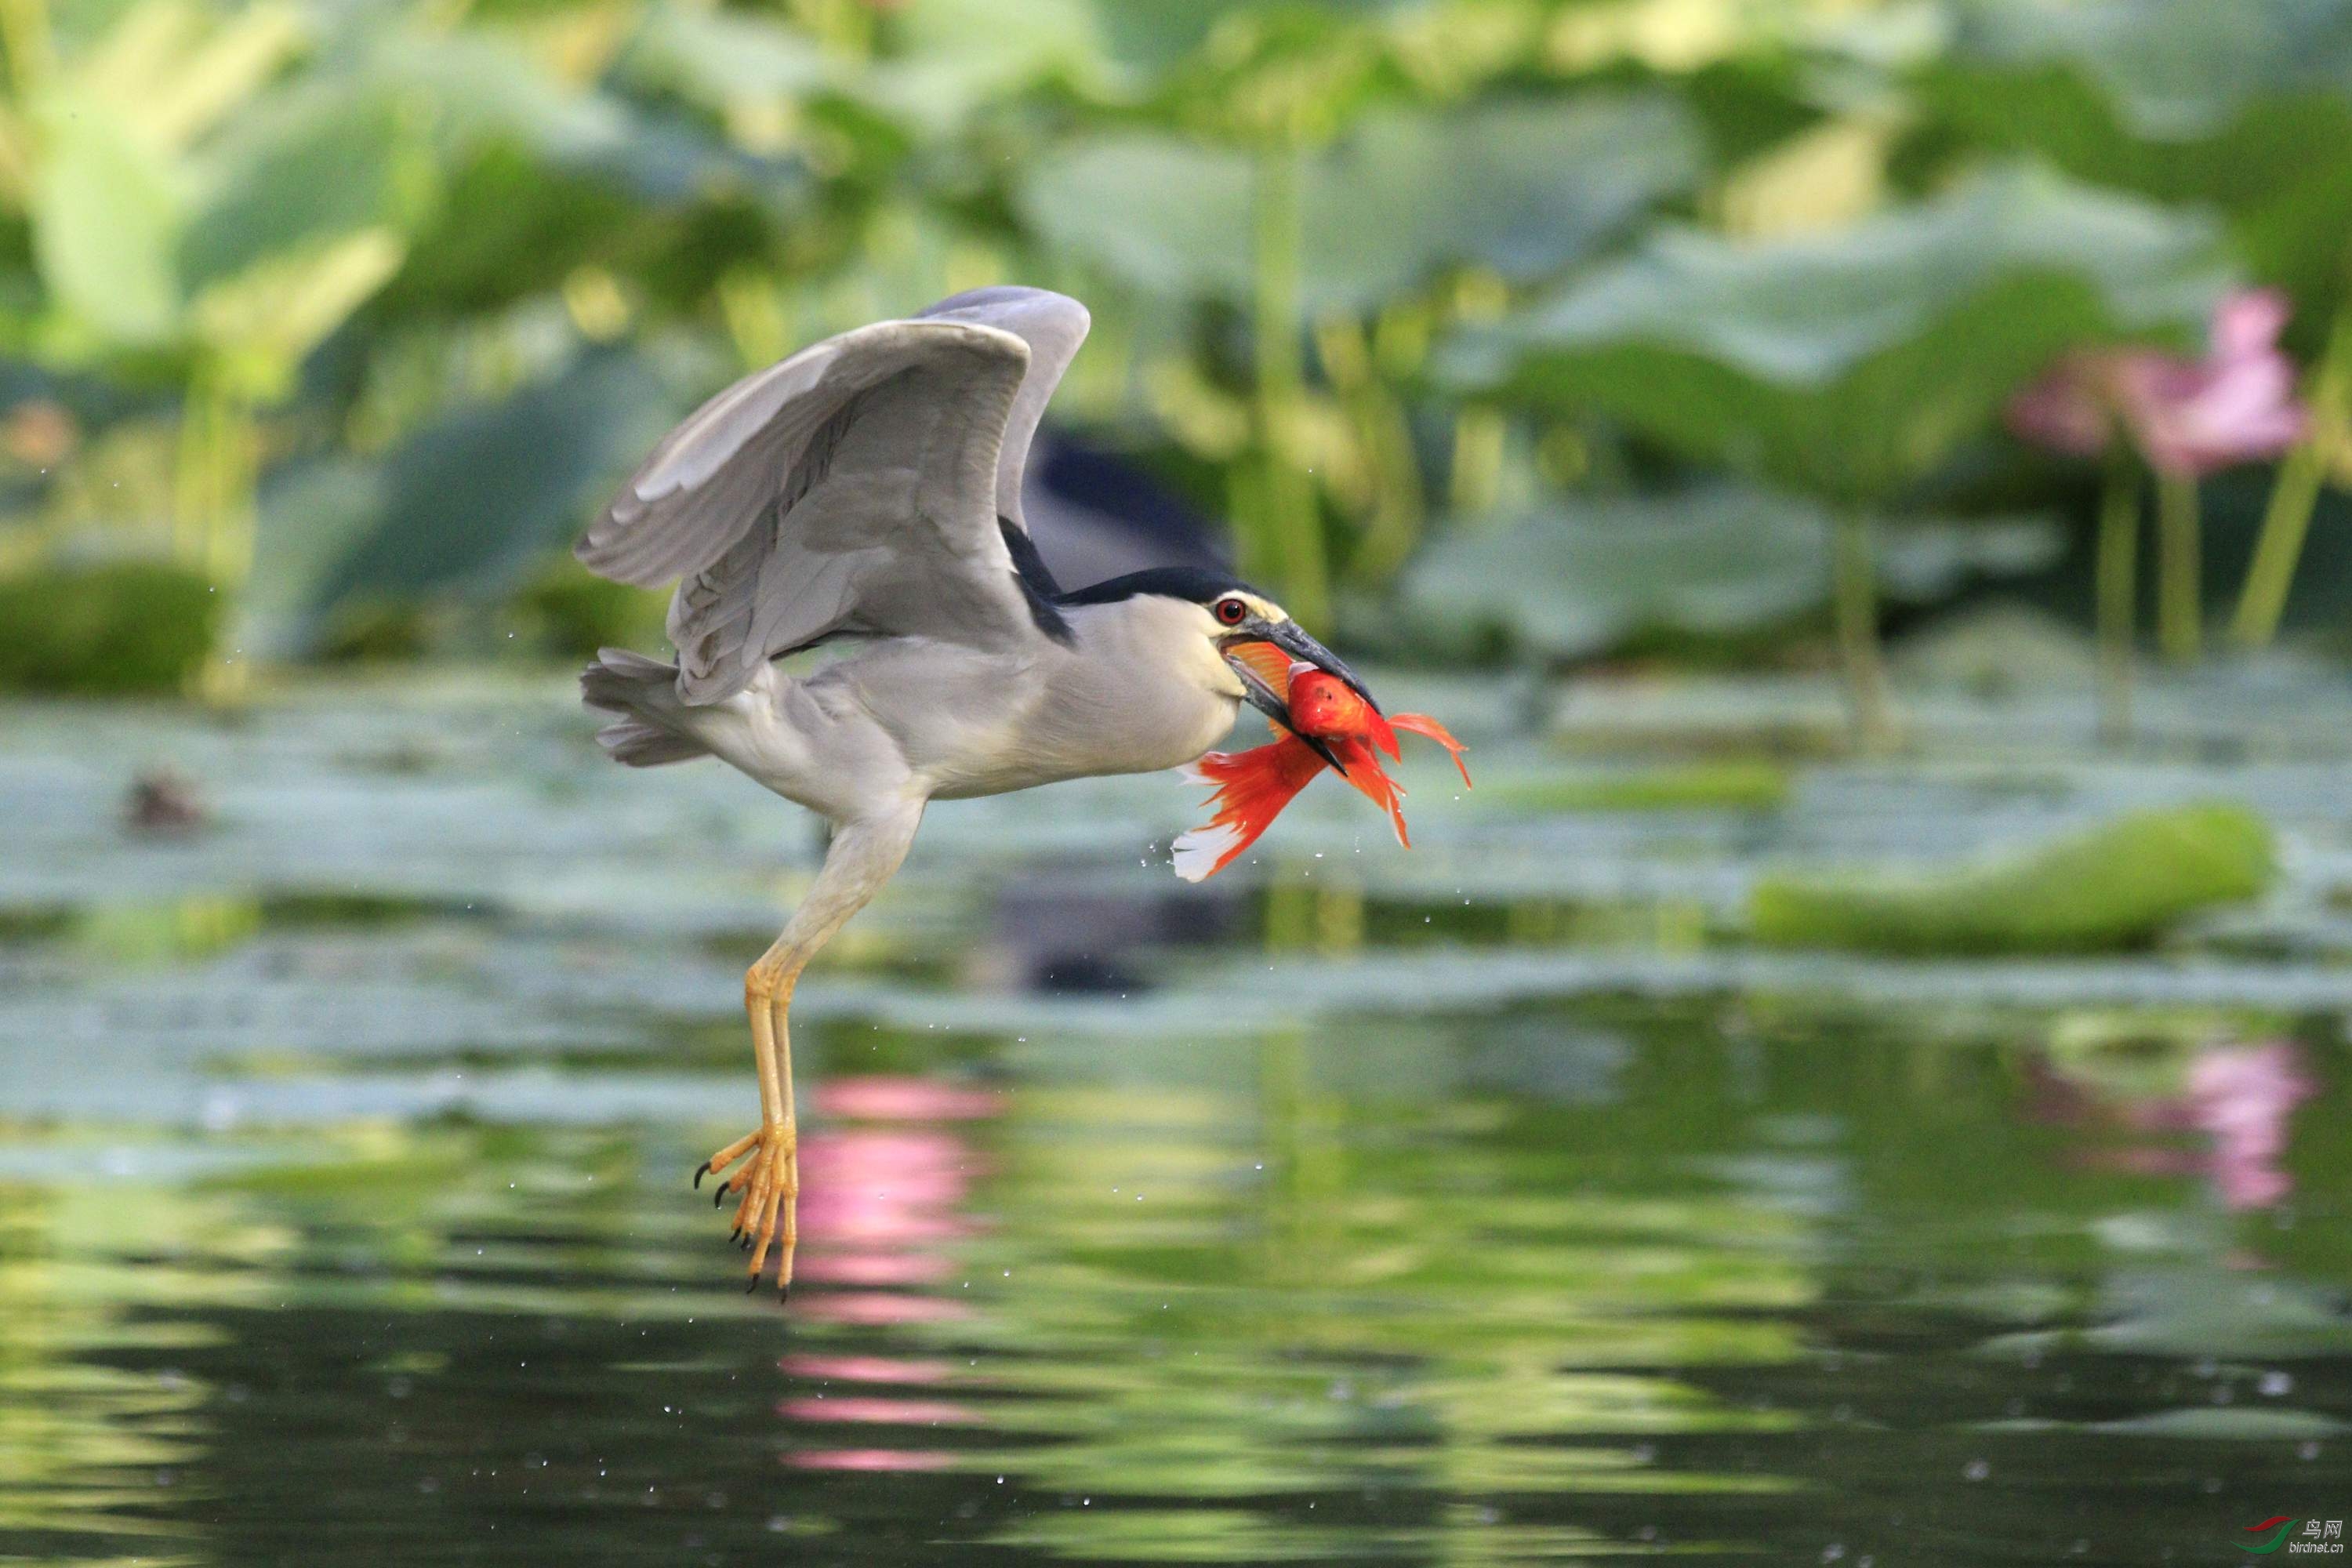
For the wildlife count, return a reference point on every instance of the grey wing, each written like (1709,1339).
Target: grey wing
(850,489)
(1054,326)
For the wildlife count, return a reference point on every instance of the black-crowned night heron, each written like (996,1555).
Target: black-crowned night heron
(869,488)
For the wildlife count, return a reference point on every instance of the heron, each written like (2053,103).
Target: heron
(866,493)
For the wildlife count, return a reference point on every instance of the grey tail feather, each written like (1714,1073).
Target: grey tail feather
(632,685)
(642,745)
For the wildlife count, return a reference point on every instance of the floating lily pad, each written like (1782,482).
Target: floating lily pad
(2116,886)
(1733,786)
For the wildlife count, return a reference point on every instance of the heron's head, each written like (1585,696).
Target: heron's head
(1256,639)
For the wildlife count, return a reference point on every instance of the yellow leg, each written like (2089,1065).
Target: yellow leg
(767,1186)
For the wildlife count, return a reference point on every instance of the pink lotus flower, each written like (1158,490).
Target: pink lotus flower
(2187,417)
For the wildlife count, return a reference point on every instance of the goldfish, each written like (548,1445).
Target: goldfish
(1252,787)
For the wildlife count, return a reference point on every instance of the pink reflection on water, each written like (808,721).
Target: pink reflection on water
(875,1188)
(874,1268)
(867,1459)
(876,1202)
(877,1097)
(2242,1097)
(866,1369)
(879,1410)
(880,1309)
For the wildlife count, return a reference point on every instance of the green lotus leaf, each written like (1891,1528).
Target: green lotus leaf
(2119,884)
(1524,188)
(107,213)
(1714,562)
(474,501)
(2245,106)
(1850,364)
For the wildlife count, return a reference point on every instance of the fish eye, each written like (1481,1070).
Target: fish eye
(1232,612)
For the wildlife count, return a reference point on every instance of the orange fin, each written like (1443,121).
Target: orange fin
(1423,724)
(1365,772)
(1253,787)
(1265,661)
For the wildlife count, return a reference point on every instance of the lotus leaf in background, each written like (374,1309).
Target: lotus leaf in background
(2245,106)
(210,203)
(1723,562)
(1852,364)
(470,503)
(1525,189)
(109,629)
(1329,235)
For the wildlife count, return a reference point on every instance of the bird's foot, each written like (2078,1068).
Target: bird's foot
(766,1186)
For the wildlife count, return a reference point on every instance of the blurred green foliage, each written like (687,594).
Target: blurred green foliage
(355,312)
(116,629)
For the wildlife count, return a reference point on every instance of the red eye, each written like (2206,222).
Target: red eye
(1232,612)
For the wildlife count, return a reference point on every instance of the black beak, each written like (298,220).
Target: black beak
(1288,636)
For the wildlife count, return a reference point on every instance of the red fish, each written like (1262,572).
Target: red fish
(1254,786)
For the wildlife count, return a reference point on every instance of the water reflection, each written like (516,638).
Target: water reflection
(2239,1097)
(1693,1310)
(886,1178)
(1590,1260)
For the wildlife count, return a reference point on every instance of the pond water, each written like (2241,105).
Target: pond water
(1491,1203)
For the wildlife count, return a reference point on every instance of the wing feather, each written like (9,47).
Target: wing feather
(852,487)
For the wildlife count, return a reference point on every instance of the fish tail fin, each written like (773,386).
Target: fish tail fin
(1252,787)
(1372,782)
(1423,724)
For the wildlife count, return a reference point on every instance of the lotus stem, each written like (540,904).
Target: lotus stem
(213,485)
(1854,599)
(2179,568)
(2295,494)
(1477,468)
(216,472)
(2279,548)
(2116,591)
(1397,510)
(1475,481)
(1288,519)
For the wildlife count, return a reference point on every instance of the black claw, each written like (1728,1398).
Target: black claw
(699,1172)
(719,1197)
(783,1292)
(735,1234)
(754,1285)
